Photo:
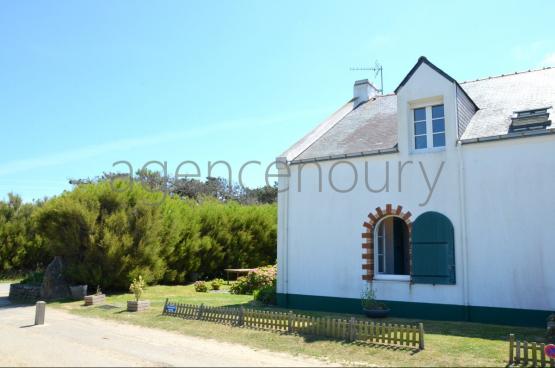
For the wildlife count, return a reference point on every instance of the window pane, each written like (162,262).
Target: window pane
(420,142)
(420,114)
(439,140)
(380,264)
(437,111)
(420,128)
(438,125)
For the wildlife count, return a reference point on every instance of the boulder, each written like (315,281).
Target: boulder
(54,285)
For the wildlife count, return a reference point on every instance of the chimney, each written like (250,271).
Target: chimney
(363,91)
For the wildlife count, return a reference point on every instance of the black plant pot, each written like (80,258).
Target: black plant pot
(376,313)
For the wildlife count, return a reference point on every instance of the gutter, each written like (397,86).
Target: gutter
(346,155)
(513,135)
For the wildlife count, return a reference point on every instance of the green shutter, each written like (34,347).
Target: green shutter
(433,249)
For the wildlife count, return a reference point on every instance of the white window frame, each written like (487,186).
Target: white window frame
(429,128)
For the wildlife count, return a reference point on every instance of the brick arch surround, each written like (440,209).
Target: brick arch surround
(368,237)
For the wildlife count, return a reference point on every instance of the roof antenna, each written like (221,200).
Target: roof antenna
(377,69)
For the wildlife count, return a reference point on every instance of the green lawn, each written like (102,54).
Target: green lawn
(447,343)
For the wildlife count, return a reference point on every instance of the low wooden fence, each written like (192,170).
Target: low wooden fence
(410,336)
(528,354)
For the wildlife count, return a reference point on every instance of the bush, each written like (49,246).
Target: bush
(216,284)
(21,247)
(108,235)
(257,279)
(200,287)
(137,287)
(33,278)
(266,294)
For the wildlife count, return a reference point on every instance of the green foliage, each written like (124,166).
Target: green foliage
(137,287)
(107,236)
(368,299)
(201,287)
(266,294)
(109,233)
(259,278)
(33,278)
(21,248)
(216,284)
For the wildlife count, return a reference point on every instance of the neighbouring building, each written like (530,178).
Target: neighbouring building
(440,195)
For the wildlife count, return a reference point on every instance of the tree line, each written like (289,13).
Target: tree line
(109,232)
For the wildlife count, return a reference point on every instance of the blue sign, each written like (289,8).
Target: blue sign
(170,308)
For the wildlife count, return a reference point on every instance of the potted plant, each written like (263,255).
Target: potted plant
(137,287)
(551,325)
(78,292)
(373,308)
(96,298)
(216,284)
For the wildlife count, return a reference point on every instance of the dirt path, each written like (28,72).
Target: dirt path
(69,340)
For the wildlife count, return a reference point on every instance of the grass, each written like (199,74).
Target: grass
(447,343)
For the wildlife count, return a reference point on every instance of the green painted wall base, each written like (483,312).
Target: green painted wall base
(444,312)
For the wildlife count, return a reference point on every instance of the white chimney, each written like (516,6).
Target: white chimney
(363,91)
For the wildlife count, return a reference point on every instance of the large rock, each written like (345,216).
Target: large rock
(54,285)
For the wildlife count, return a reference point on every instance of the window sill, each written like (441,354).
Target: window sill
(385,277)
(428,150)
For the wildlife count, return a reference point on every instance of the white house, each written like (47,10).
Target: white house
(441,195)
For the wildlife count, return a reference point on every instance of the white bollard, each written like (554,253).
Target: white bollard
(39,313)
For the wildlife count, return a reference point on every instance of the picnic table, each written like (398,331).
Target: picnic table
(237,272)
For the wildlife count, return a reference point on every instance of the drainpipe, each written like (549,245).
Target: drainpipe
(462,221)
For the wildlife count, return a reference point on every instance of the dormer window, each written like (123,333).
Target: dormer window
(429,127)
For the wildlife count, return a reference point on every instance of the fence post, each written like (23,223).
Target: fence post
(290,322)
(165,306)
(241,316)
(421,336)
(352,330)
(511,348)
(199,315)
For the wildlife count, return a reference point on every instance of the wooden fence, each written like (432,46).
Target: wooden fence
(528,354)
(410,336)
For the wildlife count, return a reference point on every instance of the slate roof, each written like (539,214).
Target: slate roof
(499,97)
(372,127)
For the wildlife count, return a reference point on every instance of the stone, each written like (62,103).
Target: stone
(54,285)
(24,293)
(78,292)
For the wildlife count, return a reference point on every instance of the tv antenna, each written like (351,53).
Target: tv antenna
(377,69)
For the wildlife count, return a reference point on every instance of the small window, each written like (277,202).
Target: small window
(429,127)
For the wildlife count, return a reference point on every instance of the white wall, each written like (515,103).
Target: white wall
(508,197)
(510,189)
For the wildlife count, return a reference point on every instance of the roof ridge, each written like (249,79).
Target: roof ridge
(507,75)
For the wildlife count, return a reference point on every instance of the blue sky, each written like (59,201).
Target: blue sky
(84,84)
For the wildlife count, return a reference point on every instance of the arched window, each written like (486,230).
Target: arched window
(392,256)
(433,249)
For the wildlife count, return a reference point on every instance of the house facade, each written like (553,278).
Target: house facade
(439,196)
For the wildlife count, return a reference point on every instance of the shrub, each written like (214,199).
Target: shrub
(33,278)
(368,300)
(21,247)
(137,287)
(257,279)
(266,294)
(216,284)
(200,287)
